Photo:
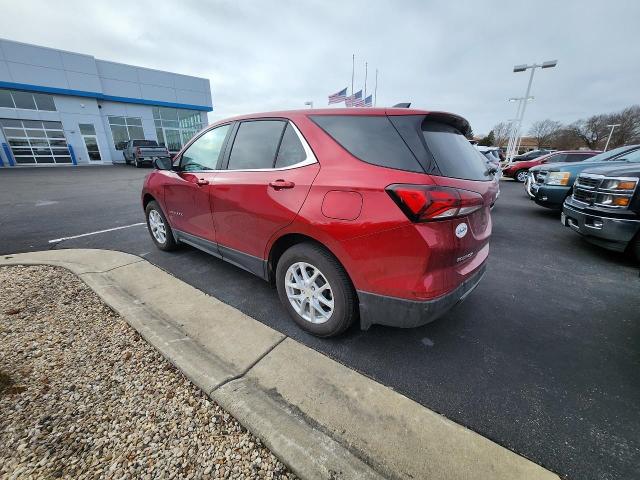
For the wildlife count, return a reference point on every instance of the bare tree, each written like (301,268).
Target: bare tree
(628,129)
(566,139)
(593,131)
(544,131)
(501,134)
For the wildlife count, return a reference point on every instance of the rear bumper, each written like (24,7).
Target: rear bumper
(399,312)
(610,233)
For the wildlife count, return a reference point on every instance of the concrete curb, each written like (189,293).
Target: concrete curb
(319,417)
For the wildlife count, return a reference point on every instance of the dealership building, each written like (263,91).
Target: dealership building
(65,108)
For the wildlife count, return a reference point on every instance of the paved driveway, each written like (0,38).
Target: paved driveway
(543,357)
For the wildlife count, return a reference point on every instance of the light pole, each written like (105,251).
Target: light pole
(610,134)
(523,68)
(514,121)
(309,104)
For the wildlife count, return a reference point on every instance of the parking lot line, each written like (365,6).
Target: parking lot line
(56,240)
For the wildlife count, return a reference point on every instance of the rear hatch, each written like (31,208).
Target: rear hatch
(438,142)
(436,177)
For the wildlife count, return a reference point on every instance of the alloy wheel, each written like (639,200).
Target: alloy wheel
(522,176)
(157,226)
(309,292)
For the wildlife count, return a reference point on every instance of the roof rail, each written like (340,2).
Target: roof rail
(402,105)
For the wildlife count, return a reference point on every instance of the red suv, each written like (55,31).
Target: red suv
(518,170)
(377,215)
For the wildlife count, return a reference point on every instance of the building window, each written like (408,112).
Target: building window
(36,142)
(27,100)
(124,129)
(175,127)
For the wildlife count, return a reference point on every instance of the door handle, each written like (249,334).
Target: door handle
(280,184)
(202,181)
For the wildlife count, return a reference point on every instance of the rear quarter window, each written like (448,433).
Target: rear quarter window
(372,139)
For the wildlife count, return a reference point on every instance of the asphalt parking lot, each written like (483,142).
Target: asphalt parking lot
(542,358)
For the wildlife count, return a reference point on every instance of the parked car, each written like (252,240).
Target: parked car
(143,152)
(553,183)
(492,159)
(518,170)
(605,206)
(381,215)
(565,156)
(532,155)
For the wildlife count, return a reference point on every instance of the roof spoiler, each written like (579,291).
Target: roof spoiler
(402,105)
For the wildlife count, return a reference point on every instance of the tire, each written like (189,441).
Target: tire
(154,214)
(137,163)
(340,290)
(519,173)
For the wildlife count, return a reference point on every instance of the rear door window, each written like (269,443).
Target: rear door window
(256,144)
(452,152)
(372,139)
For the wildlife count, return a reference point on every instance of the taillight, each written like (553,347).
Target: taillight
(422,203)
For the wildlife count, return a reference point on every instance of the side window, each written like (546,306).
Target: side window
(578,157)
(203,154)
(372,139)
(291,149)
(255,144)
(561,157)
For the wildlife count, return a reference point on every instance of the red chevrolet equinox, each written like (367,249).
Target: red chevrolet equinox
(376,215)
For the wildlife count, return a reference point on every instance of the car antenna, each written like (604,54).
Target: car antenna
(402,105)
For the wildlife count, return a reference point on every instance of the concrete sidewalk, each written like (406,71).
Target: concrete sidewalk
(319,417)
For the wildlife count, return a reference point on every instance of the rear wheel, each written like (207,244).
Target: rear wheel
(521,175)
(159,228)
(316,290)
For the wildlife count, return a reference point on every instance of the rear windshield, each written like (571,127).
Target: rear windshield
(453,153)
(145,143)
(406,142)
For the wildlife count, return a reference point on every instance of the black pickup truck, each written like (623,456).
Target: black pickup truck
(605,207)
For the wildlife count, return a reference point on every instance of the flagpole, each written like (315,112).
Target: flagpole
(375,91)
(353,68)
(365,82)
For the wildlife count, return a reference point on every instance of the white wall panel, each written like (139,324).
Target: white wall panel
(32,54)
(75,62)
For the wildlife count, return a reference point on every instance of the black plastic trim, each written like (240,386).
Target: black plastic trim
(247,262)
(400,312)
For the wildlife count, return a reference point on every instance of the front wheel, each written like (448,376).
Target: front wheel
(137,163)
(316,290)
(159,228)
(521,175)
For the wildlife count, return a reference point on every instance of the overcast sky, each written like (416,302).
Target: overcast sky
(448,55)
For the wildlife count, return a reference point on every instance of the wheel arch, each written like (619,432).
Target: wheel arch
(146,199)
(288,240)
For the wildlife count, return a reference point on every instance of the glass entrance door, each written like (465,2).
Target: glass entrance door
(88,132)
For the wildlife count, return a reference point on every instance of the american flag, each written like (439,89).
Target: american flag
(368,102)
(354,100)
(338,96)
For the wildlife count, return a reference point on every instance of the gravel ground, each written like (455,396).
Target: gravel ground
(82,395)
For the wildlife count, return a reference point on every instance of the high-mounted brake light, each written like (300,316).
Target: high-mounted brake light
(422,203)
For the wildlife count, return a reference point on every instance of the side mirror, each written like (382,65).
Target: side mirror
(163,163)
